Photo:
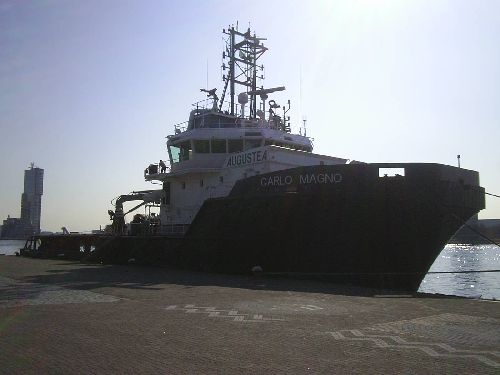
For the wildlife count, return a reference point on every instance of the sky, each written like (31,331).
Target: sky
(90,89)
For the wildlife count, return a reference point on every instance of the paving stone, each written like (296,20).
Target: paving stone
(67,317)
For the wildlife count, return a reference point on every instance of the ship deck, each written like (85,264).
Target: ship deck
(59,316)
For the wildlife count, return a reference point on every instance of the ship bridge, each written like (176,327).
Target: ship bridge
(200,142)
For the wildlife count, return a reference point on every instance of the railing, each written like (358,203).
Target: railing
(154,169)
(245,121)
(157,229)
(178,229)
(208,104)
(179,128)
(203,104)
(144,229)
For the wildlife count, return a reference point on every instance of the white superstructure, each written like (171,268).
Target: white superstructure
(209,157)
(220,146)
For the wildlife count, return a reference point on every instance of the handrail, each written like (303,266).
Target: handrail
(154,169)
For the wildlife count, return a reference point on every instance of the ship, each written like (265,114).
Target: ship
(242,193)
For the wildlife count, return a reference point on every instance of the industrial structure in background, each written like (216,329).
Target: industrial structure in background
(31,207)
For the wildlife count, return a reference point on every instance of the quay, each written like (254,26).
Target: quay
(61,316)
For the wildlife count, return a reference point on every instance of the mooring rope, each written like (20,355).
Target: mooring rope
(480,271)
(480,234)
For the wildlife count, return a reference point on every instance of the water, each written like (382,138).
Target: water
(453,258)
(465,258)
(9,247)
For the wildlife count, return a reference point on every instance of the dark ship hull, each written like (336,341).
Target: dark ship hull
(343,222)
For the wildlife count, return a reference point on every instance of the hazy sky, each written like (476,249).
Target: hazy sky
(90,89)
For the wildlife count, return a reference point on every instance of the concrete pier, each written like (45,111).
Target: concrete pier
(60,316)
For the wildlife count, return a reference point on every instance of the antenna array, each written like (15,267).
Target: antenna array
(240,60)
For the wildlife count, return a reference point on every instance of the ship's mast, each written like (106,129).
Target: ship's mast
(242,52)
(231,67)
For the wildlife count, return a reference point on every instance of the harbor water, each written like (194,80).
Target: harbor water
(458,270)
(9,247)
(469,279)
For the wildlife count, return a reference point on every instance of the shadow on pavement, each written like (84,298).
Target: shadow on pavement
(92,276)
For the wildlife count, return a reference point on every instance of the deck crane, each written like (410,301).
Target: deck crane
(118,216)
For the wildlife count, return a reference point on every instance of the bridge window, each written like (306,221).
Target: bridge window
(252,143)
(211,120)
(206,121)
(218,146)
(235,145)
(202,146)
(180,152)
(174,153)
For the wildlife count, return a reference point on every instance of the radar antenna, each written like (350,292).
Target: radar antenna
(212,94)
(263,93)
